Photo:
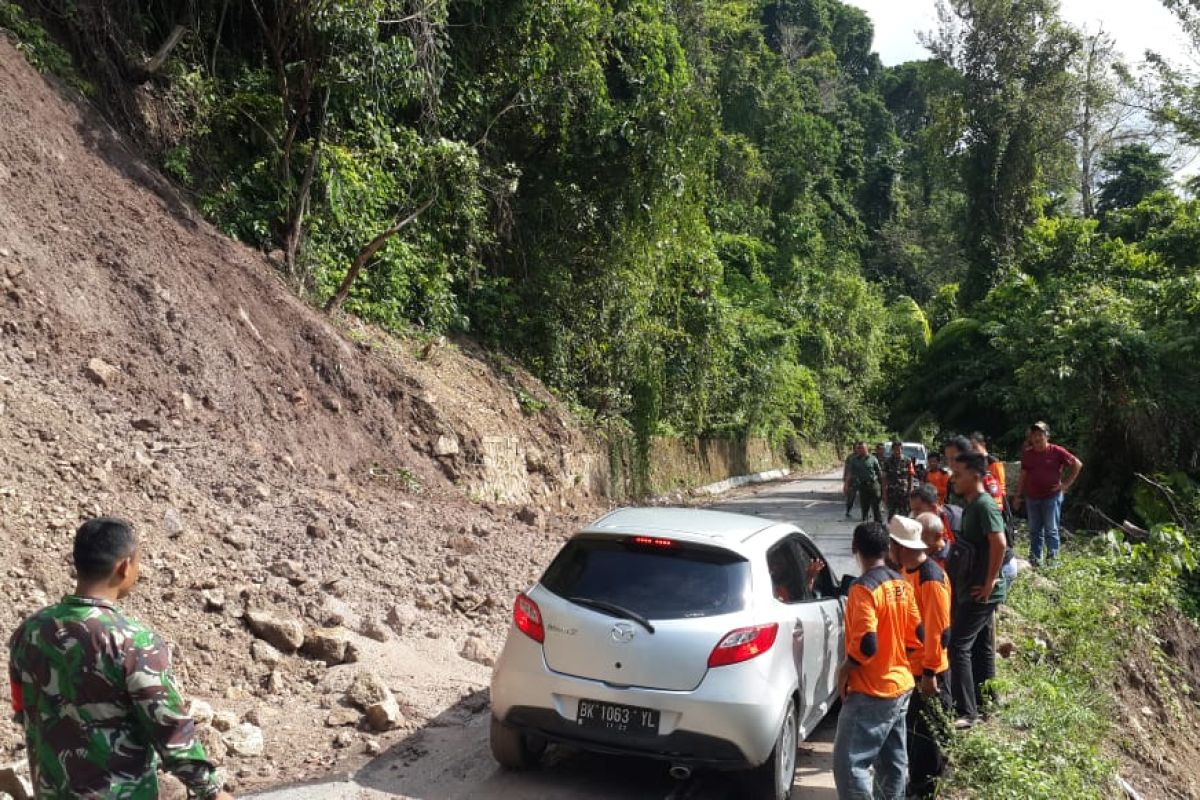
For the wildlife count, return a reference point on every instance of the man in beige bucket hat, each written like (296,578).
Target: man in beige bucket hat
(930,665)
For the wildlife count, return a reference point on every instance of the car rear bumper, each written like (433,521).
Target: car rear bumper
(679,747)
(729,721)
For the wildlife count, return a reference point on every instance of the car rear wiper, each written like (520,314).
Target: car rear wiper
(614,609)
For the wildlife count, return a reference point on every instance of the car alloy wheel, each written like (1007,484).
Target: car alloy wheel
(785,754)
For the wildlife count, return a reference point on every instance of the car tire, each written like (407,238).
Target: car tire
(773,779)
(513,748)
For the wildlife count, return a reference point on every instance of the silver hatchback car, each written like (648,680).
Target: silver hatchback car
(697,637)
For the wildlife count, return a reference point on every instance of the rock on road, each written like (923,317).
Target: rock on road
(449,758)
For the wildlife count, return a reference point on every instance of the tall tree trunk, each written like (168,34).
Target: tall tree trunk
(370,250)
(296,224)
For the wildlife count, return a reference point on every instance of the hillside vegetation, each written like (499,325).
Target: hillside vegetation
(701,217)
(715,216)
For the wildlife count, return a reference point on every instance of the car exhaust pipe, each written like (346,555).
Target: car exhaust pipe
(680,772)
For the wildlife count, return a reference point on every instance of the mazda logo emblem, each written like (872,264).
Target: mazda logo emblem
(622,633)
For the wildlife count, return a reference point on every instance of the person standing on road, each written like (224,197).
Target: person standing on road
(974,567)
(938,475)
(849,487)
(94,689)
(1041,486)
(883,626)
(996,482)
(864,477)
(898,473)
(953,448)
(930,664)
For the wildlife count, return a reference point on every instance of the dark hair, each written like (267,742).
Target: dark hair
(979,438)
(99,544)
(959,443)
(974,462)
(870,540)
(934,454)
(926,492)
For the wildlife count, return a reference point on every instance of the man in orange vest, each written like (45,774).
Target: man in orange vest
(938,475)
(930,664)
(883,626)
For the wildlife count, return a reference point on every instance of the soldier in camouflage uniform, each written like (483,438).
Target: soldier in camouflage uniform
(898,474)
(94,690)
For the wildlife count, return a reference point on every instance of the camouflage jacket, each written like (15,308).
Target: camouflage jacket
(898,475)
(95,693)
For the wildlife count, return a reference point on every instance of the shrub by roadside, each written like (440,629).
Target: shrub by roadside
(1086,637)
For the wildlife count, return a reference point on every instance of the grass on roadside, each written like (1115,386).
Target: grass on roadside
(1050,734)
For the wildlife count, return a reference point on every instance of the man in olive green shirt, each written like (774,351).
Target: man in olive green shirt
(863,474)
(974,568)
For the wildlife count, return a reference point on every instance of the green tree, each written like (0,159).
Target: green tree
(1015,58)
(1131,173)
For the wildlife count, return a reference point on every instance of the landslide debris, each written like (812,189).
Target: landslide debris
(302,488)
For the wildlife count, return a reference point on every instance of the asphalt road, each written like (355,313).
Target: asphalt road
(449,758)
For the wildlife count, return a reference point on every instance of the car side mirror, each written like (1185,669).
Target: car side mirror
(847,582)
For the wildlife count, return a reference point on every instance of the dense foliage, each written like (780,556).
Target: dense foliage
(661,207)
(709,216)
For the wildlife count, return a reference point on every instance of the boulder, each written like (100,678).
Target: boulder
(283,633)
(367,690)
(224,721)
(201,712)
(326,644)
(101,372)
(172,523)
(214,746)
(265,654)
(342,717)
(529,515)
(214,599)
(245,740)
(290,569)
(463,544)
(402,617)
(384,715)
(475,650)
(374,628)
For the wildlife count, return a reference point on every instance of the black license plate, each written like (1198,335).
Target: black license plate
(614,717)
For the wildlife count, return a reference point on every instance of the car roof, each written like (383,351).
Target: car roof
(688,524)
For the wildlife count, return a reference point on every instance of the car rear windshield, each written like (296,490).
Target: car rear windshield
(667,580)
(913,452)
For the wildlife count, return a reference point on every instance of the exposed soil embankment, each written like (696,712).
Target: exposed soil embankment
(338,480)
(1159,695)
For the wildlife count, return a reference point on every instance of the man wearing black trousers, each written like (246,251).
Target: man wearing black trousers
(974,568)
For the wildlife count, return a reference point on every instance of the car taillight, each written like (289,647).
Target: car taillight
(528,618)
(743,644)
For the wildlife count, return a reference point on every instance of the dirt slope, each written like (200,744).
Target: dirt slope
(151,367)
